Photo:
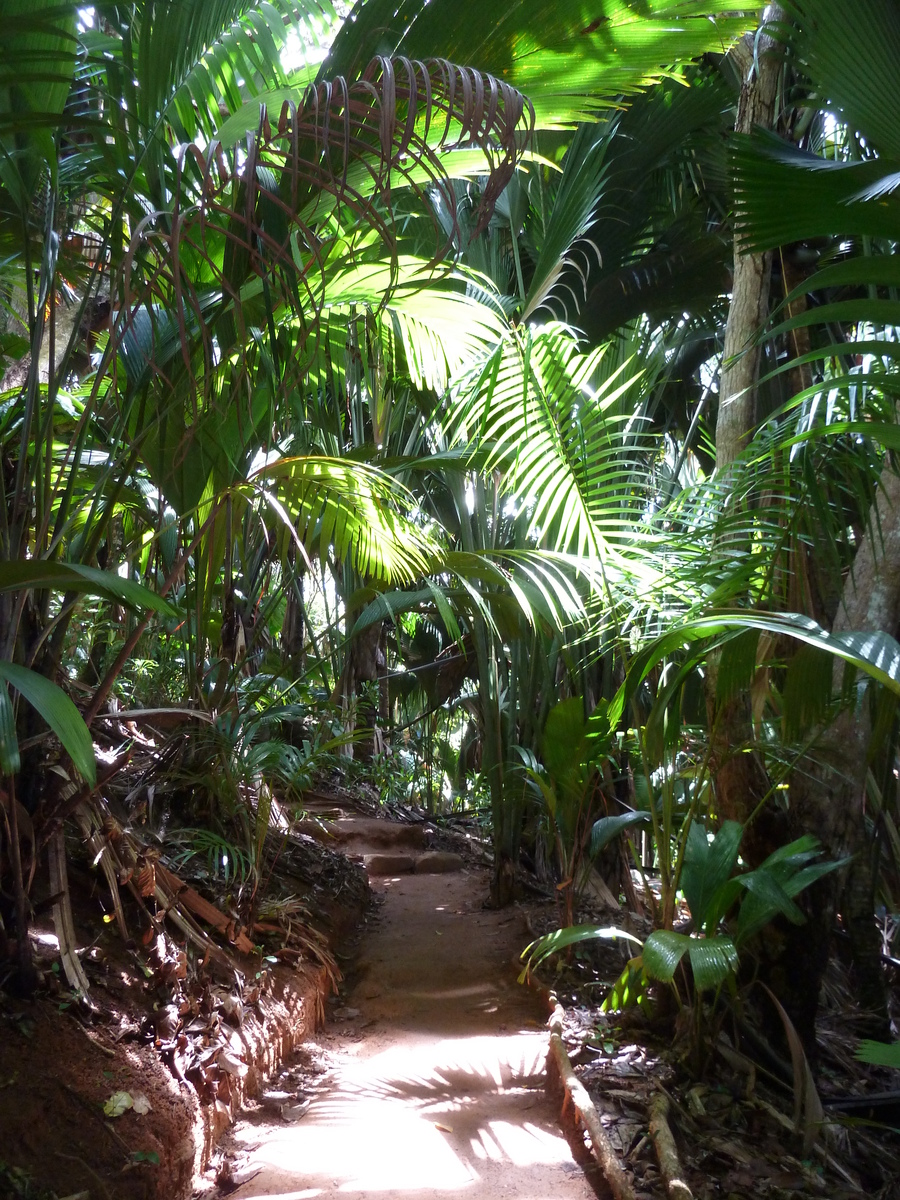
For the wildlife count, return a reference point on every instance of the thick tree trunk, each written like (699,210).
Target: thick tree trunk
(834,807)
(828,799)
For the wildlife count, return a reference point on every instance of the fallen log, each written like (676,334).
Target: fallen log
(666,1150)
(577,1093)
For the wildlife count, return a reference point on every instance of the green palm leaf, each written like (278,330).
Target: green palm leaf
(552,943)
(55,707)
(663,951)
(707,866)
(570,59)
(348,508)
(74,577)
(713,959)
(784,194)
(855,63)
(9,743)
(550,418)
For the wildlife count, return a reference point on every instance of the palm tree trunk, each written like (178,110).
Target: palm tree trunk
(759,59)
(835,805)
(740,778)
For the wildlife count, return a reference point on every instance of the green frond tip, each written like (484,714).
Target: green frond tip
(561,939)
(881,1054)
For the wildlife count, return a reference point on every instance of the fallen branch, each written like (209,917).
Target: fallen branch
(63,921)
(575,1091)
(666,1151)
(201,908)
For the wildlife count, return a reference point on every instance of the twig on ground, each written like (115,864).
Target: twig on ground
(90,1170)
(575,1091)
(666,1151)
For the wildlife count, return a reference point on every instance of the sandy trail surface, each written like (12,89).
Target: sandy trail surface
(429,1080)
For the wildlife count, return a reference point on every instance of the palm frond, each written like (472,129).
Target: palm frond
(548,417)
(571,62)
(347,509)
(784,194)
(855,64)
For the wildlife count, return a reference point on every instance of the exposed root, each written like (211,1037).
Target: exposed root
(666,1151)
(576,1094)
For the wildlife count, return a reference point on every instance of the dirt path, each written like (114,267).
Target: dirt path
(430,1079)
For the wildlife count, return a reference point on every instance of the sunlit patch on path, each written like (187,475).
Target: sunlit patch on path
(437,1085)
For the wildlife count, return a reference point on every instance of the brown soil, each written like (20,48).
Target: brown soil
(429,1078)
(60,1063)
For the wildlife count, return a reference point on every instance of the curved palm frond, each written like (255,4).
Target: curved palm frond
(346,508)
(259,233)
(629,228)
(571,60)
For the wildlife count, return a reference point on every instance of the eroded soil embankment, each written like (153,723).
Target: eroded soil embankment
(187,1043)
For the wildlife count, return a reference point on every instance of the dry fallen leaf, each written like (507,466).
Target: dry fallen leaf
(231,1063)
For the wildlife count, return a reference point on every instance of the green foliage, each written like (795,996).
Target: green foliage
(713,894)
(569,64)
(223,858)
(882,1054)
(55,707)
(712,891)
(302,411)
(552,943)
(606,829)
(568,784)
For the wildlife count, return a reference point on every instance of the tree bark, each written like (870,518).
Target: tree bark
(740,778)
(828,800)
(834,807)
(759,59)
(361,667)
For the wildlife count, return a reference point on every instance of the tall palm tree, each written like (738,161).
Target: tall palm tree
(834,229)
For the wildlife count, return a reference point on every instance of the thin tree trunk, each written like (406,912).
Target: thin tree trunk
(759,59)
(740,778)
